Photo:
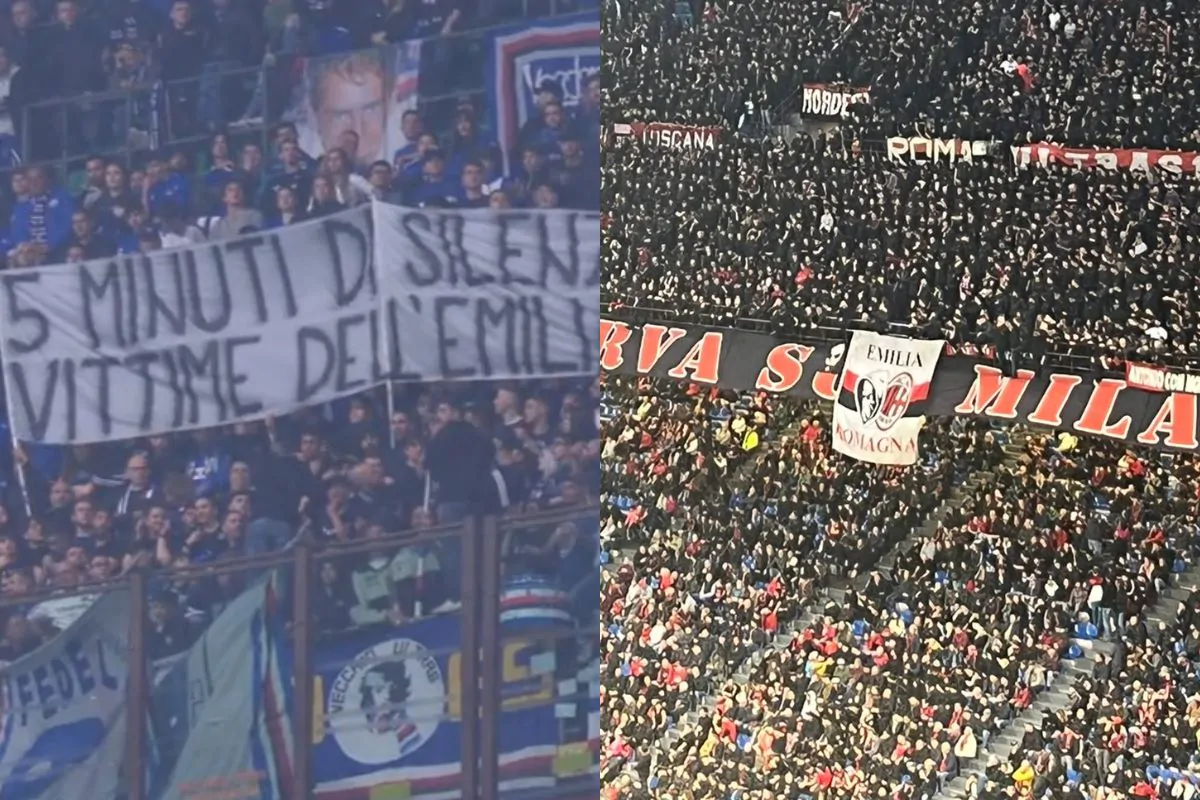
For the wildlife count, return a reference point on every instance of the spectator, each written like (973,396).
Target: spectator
(13,94)
(135,73)
(293,175)
(323,202)
(93,188)
(165,190)
(287,209)
(84,236)
(434,188)
(348,187)
(23,43)
(472,194)
(43,218)
(183,47)
(238,219)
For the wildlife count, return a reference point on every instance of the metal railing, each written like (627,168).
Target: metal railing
(476,683)
(122,124)
(822,334)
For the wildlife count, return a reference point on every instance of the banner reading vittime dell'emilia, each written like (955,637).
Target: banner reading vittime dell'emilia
(524,60)
(1106,406)
(264,324)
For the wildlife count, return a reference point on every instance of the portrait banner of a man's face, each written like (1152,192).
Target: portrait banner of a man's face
(355,101)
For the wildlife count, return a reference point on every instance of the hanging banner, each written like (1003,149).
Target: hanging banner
(1154,378)
(234,679)
(364,93)
(192,337)
(478,295)
(237,330)
(674,137)
(63,723)
(387,708)
(918,149)
(390,713)
(883,378)
(524,61)
(1179,162)
(1106,406)
(829,101)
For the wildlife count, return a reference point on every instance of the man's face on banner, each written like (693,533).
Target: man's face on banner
(352,102)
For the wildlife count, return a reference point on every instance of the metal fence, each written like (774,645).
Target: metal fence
(486,674)
(125,125)
(613,307)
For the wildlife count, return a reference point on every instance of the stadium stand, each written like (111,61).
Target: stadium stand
(1017,180)
(1095,262)
(132,127)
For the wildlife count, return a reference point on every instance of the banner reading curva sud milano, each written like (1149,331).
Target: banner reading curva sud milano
(1106,406)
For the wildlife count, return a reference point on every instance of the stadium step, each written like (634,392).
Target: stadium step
(1004,744)
(1013,450)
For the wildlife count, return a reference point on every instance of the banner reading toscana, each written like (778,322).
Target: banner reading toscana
(265,324)
(1107,406)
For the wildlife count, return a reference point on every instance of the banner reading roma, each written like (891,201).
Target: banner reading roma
(1105,406)
(884,376)
(918,149)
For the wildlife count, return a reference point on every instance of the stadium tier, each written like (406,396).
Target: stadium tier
(299,318)
(899,440)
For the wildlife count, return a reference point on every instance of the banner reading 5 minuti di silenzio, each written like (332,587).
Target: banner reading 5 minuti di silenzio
(268,323)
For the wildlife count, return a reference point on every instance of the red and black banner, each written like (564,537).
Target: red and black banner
(671,136)
(1106,406)
(1154,378)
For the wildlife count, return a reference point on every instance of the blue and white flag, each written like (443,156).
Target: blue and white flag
(63,717)
(522,58)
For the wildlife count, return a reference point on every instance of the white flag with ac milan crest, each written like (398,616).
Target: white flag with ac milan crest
(885,384)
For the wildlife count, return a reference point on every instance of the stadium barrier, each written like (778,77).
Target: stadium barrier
(269,700)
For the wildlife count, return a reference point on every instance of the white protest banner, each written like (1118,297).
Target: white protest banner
(918,149)
(62,728)
(884,381)
(192,337)
(484,295)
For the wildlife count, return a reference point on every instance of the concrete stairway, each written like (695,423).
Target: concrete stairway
(1056,696)
(789,631)
(1013,450)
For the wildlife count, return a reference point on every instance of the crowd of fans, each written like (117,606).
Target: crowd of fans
(214,178)
(1131,726)
(828,231)
(1023,641)
(717,548)
(97,512)
(752,646)
(1091,74)
(814,234)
